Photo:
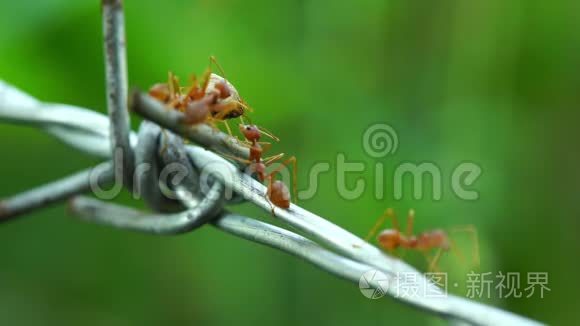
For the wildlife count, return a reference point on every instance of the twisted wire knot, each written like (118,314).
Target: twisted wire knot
(168,182)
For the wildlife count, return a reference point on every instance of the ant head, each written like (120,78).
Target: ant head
(251,132)
(390,239)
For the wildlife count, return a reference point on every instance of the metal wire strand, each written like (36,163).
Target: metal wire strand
(155,151)
(126,218)
(345,244)
(53,192)
(356,253)
(153,146)
(117,89)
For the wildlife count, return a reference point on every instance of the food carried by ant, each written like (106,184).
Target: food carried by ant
(207,99)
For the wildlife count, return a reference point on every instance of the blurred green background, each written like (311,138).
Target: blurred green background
(492,82)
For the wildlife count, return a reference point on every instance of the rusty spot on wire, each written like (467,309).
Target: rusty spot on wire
(4,212)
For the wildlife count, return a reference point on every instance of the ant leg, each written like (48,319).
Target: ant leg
(239,159)
(456,251)
(265,146)
(472,231)
(410,222)
(273,158)
(191,93)
(170,85)
(173,82)
(243,122)
(245,143)
(388,213)
(193,79)
(433,262)
(269,193)
(194,90)
(205,79)
(228,128)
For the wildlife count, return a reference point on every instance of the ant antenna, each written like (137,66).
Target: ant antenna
(174,87)
(242,120)
(410,222)
(244,105)
(213,60)
(268,133)
(193,78)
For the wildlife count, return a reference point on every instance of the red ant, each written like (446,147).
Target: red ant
(391,239)
(214,98)
(278,193)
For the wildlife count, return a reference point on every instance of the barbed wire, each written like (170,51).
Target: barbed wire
(323,243)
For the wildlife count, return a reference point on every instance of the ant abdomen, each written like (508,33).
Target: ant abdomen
(279,194)
(439,239)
